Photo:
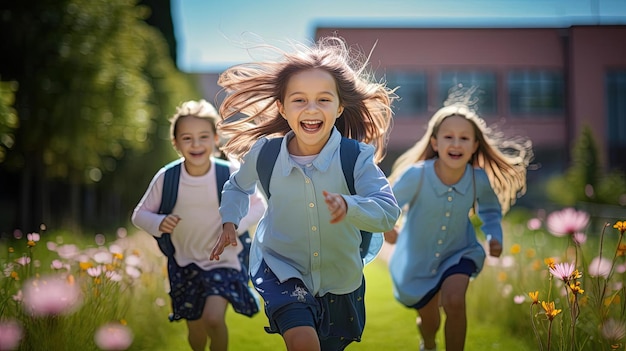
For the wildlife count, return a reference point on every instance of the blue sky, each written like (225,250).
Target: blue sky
(212,34)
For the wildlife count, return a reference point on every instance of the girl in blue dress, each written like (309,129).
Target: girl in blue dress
(458,166)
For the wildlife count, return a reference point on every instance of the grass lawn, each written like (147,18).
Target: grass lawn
(389,327)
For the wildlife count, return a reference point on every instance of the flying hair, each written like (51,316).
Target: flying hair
(505,160)
(249,110)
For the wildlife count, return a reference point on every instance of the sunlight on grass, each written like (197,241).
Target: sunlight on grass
(123,281)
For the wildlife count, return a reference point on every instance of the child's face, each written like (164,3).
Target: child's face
(311,106)
(455,141)
(195,141)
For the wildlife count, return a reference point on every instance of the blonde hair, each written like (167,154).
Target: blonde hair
(200,109)
(504,160)
(249,110)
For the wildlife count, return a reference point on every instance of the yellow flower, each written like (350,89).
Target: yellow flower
(612,300)
(11,249)
(550,262)
(534,296)
(576,289)
(502,276)
(576,274)
(30,243)
(85,265)
(621,249)
(530,253)
(15,276)
(551,312)
(515,249)
(621,226)
(536,265)
(118,256)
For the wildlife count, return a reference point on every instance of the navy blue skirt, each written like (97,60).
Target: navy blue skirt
(191,285)
(465,266)
(338,319)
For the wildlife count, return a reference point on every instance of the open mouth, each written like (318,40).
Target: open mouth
(311,126)
(455,155)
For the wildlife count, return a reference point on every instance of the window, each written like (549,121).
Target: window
(486,83)
(412,92)
(536,92)
(616,116)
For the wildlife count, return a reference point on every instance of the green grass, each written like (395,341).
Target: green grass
(389,326)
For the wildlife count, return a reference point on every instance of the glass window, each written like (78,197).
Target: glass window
(616,115)
(412,92)
(536,92)
(486,83)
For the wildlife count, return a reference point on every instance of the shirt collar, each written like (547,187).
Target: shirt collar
(463,186)
(321,162)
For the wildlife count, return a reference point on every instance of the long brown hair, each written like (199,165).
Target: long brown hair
(249,109)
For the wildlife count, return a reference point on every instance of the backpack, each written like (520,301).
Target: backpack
(371,243)
(168,200)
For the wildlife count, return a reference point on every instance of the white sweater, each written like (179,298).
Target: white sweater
(201,224)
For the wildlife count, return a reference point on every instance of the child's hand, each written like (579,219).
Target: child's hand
(495,248)
(392,236)
(228,237)
(336,205)
(169,223)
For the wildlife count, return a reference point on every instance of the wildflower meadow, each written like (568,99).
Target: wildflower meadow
(559,285)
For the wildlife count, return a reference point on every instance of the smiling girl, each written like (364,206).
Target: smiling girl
(200,289)
(305,258)
(457,166)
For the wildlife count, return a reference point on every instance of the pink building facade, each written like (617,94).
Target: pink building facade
(545,83)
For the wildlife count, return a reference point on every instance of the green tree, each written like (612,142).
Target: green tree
(93,80)
(585,181)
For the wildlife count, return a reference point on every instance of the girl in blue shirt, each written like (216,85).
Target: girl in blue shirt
(305,259)
(457,166)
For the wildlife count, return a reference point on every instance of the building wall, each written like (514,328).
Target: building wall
(582,54)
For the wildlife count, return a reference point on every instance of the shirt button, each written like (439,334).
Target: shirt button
(433,271)
(447,214)
(440,242)
(437,254)
(449,198)
(311,205)
(307,180)
(449,190)
(314,228)
(315,254)
(443,227)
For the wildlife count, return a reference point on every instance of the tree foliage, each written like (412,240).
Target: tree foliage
(585,181)
(96,84)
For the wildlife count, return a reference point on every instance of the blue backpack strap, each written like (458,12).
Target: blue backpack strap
(171,179)
(222,173)
(266,161)
(371,243)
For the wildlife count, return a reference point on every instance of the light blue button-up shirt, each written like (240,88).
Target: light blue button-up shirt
(437,231)
(295,236)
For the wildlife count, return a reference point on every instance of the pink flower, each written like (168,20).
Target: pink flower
(579,238)
(567,222)
(562,271)
(52,295)
(113,336)
(600,266)
(10,335)
(519,299)
(534,223)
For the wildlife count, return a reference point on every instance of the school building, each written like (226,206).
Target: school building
(544,83)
